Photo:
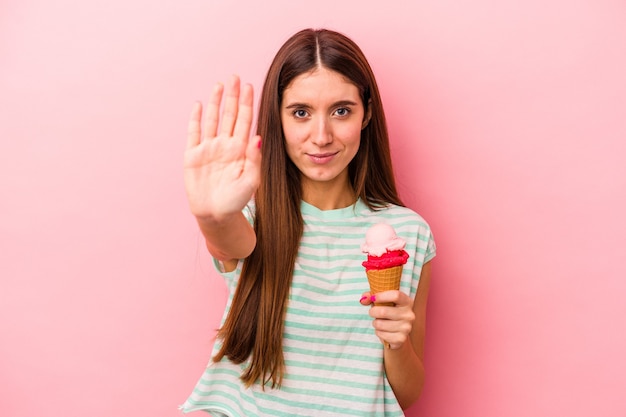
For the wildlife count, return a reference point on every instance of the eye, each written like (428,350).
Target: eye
(342,111)
(300,114)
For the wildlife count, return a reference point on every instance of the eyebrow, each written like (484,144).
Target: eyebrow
(308,106)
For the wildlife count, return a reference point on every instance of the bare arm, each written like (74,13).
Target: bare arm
(222,171)
(403,328)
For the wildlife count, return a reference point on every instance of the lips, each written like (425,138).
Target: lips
(321,158)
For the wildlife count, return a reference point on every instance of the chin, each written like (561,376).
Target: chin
(321,176)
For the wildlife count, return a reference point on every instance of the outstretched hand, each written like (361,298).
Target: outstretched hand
(392,324)
(222,163)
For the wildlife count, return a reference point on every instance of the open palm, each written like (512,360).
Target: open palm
(222,163)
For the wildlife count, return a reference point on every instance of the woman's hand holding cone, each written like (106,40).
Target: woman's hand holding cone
(392,324)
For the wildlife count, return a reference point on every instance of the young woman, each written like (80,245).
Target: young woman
(284,214)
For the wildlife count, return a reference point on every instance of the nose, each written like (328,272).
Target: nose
(322,135)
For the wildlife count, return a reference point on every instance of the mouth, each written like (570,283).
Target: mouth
(321,158)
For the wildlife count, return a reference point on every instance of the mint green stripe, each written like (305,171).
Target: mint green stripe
(220,371)
(330,258)
(322,291)
(330,315)
(328,270)
(343,329)
(322,303)
(342,245)
(227,392)
(212,405)
(349,371)
(331,341)
(320,407)
(358,399)
(333,381)
(317,353)
(320,366)
(350,222)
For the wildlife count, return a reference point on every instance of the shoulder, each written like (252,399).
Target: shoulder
(408,224)
(396,216)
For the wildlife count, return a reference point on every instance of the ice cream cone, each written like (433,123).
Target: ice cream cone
(384,280)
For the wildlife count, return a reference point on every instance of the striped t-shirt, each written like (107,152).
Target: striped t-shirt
(333,359)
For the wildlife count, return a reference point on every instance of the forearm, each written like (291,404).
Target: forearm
(228,238)
(405,372)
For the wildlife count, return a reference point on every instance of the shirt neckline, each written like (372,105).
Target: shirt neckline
(340,213)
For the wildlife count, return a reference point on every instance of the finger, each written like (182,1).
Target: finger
(193,128)
(390,297)
(383,337)
(231,107)
(244,117)
(365,299)
(389,340)
(386,344)
(211,118)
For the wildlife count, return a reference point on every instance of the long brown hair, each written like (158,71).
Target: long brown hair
(254,325)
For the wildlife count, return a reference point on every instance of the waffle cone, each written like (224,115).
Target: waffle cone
(384,280)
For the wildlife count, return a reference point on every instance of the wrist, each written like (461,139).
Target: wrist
(213,220)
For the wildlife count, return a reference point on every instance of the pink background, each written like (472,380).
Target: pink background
(508,123)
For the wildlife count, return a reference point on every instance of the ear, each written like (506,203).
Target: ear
(368,115)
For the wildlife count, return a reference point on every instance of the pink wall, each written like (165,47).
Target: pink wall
(509,129)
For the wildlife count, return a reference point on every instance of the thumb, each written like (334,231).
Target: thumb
(252,165)
(253,152)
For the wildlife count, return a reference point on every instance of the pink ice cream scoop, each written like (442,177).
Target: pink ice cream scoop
(383,247)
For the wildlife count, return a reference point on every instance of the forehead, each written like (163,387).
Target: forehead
(320,86)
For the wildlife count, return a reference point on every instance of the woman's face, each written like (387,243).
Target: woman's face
(322,117)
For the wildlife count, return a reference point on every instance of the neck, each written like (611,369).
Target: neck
(328,196)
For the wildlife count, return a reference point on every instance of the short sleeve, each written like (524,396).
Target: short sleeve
(431,248)
(249,212)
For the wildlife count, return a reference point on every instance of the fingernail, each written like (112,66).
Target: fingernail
(373,298)
(362,298)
